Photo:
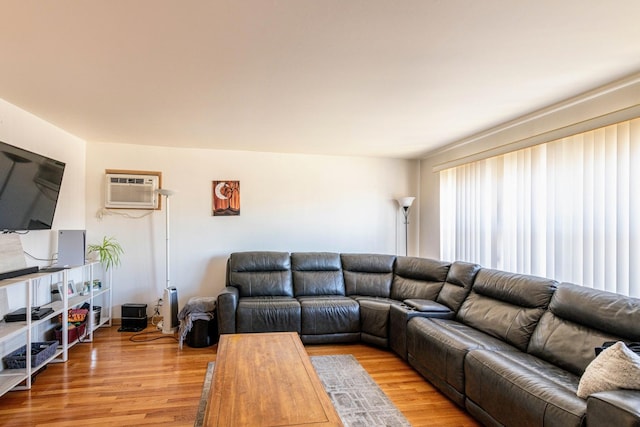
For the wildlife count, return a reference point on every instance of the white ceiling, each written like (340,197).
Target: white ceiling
(348,77)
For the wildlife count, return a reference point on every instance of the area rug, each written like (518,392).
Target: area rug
(357,398)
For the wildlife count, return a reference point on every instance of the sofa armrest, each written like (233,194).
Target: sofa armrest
(430,308)
(620,408)
(399,316)
(227,306)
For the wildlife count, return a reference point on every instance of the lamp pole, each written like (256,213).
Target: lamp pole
(405,211)
(166,194)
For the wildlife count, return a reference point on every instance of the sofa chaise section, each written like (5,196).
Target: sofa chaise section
(500,313)
(538,387)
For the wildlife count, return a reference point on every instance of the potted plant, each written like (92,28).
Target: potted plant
(108,251)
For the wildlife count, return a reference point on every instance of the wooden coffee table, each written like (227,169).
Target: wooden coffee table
(267,380)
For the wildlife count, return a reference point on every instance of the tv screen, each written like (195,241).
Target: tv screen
(29,188)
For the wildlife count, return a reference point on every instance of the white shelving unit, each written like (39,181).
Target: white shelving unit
(37,289)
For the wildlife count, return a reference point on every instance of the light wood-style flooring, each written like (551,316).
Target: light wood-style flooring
(117,382)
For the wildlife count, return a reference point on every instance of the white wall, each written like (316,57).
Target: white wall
(24,130)
(289,202)
(429,231)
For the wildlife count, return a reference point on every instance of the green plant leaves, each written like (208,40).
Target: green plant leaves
(109,252)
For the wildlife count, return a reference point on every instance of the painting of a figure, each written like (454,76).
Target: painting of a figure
(226,198)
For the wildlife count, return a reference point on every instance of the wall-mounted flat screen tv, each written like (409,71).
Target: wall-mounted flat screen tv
(29,189)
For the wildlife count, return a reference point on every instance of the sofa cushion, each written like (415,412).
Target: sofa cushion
(374,321)
(317,273)
(518,389)
(567,334)
(368,274)
(458,284)
(268,314)
(566,344)
(507,306)
(260,273)
(418,278)
(595,308)
(329,315)
(615,368)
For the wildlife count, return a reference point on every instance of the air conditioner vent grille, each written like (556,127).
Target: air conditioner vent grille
(130,180)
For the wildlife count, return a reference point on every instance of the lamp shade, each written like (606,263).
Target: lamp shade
(405,202)
(165,192)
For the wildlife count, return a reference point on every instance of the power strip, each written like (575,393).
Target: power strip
(156,314)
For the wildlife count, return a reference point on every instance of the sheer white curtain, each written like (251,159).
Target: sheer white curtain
(568,210)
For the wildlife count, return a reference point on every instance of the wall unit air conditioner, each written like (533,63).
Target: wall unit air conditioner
(131,191)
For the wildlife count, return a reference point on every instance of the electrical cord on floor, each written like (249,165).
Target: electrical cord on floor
(153,336)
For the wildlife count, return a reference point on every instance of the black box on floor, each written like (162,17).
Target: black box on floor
(203,333)
(134,317)
(134,311)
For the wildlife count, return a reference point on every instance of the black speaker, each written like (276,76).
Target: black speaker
(134,317)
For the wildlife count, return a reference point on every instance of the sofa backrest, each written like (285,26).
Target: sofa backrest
(506,305)
(260,273)
(317,273)
(368,274)
(418,278)
(458,284)
(578,320)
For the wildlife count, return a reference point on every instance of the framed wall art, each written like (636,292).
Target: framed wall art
(226,198)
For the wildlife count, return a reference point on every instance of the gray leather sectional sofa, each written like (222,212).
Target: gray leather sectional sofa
(509,348)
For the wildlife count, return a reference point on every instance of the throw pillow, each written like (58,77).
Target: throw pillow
(616,367)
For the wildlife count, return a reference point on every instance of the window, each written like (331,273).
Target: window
(568,210)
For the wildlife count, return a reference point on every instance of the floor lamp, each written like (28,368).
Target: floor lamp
(170,298)
(405,204)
